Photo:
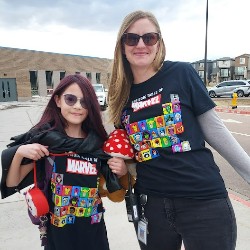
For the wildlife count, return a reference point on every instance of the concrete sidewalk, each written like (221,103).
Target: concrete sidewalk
(18,233)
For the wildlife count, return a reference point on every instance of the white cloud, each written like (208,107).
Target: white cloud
(76,29)
(61,39)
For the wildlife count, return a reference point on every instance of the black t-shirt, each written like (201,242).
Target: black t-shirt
(75,205)
(160,119)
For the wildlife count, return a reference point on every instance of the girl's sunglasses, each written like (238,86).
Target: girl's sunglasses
(71,100)
(132,39)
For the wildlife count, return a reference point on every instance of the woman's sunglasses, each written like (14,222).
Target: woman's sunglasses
(71,100)
(132,39)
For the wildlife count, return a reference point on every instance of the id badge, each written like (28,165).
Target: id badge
(142,231)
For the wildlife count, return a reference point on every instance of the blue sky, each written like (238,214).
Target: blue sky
(89,27)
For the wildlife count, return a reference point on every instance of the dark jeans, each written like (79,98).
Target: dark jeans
(200,224)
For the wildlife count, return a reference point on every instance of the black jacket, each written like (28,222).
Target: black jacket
(57,142)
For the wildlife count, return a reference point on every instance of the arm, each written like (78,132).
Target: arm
(17,172)
(214,130)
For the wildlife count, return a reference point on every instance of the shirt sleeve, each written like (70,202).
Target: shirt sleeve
(213,130)
(200,100)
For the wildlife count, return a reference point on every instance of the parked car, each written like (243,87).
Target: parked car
(243,90)
(226,88)
(101,94)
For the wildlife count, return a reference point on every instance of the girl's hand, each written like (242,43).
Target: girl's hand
(118,166)
(34,151)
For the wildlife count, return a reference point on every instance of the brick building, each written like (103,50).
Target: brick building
(24,73)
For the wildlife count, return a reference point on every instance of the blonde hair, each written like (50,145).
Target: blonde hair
(121,75)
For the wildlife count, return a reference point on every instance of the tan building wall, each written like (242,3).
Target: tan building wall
(17,63)
(242,61)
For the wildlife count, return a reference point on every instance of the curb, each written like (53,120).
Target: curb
(235,111)
(238,199)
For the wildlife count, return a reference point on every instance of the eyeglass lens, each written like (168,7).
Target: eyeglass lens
(72,100)
(132,39)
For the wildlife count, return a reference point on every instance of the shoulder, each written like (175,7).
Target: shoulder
(177,66)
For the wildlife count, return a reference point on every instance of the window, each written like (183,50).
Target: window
(223,84)
(242,60)
(62,74)
(49,79)
(33,82)
(201,74)
(88,75)
(224,73)
(239,70)
(237,83)
(201,65)
(98,88)
(98,77)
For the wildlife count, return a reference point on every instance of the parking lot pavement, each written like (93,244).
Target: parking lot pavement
(17,232)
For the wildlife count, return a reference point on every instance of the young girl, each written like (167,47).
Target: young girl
(68,138)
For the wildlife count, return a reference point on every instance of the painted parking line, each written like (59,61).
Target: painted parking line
(236,133)
(230,121)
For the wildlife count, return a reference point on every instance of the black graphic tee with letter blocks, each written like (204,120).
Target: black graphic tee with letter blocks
(75,205)
(160,119)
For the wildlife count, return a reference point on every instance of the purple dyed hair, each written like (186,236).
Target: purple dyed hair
(52,113)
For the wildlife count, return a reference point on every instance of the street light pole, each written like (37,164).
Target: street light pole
(205,60)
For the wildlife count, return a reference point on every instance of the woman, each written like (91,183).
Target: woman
(168,115)
(67,147)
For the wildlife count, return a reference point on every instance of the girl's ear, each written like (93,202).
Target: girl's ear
(57,101)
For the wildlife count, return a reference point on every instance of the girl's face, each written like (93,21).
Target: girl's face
(141,55)
(72,112)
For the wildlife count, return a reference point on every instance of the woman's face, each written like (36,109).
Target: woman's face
(72,112)
(141,55)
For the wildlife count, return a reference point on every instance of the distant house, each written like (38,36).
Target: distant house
(225,68)
(222,69)
(199,66)
(242,67)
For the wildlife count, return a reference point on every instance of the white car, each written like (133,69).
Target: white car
(101,94)
(227,88)
(243,91)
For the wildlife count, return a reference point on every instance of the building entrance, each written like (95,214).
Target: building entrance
(8,91)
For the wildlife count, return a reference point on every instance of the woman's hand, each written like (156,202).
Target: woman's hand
(118,166)
(33,151)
